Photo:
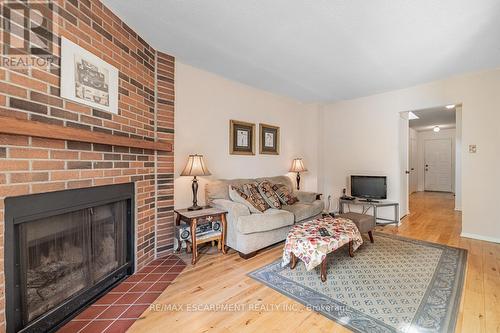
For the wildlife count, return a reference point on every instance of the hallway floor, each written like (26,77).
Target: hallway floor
(433,218)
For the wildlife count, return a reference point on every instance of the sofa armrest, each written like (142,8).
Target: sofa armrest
(307,197)
(234,209)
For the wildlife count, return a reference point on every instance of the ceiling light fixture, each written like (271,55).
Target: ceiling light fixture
(436,129)
(450,106)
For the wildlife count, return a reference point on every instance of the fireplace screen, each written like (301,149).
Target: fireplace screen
(68,253)
(62,256)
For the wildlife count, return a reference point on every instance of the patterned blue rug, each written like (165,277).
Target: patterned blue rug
(393,285)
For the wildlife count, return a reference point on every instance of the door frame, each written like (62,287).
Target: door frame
(404,135)
(413,156)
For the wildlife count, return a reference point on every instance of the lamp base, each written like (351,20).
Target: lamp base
(194,187)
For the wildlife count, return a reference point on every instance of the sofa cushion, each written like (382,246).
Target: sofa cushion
(253,200)
(303,211)
(272,199)
(284,194)
(269,220)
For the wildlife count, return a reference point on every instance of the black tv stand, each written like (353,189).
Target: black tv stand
(368,200)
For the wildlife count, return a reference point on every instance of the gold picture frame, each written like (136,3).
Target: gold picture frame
(241,138)
(269,139)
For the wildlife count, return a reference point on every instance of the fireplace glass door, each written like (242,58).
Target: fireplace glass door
(64,255)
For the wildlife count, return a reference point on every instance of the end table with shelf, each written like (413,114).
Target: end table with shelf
(374,205)
(193,218)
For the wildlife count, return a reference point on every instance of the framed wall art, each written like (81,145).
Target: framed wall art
(269,138)
(241,138)
(87,79)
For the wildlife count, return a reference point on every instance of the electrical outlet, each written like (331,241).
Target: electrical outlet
(472,149)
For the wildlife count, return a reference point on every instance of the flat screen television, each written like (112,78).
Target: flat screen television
(369,187)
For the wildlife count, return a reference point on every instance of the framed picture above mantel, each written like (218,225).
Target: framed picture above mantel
(241,138)
(269,138)
(87,79)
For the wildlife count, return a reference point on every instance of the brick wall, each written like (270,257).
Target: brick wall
(146,111)
(165,161)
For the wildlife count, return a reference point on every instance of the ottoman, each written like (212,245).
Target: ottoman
(307,242)
(364,222)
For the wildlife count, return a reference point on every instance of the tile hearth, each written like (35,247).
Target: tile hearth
(122,306)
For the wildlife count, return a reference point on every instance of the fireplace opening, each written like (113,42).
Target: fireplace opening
(64,249)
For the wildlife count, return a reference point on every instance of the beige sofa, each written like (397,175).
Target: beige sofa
(248,232)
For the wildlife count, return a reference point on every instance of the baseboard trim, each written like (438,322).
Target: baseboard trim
(480,237)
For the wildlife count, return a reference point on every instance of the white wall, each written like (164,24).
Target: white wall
(353,136)
(362,135)
(422,136)
(206,102)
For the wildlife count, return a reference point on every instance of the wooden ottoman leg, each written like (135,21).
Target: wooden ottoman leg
(371,236)
(351,253)
(323,270)
(294,261)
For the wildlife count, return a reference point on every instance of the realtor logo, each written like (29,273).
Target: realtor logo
(27,33)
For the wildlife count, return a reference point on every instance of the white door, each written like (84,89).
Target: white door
(404,130)
(413,166)
(438,165)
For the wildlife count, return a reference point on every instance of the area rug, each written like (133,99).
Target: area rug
(393,285)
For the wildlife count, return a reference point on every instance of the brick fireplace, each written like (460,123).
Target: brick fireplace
(36,162)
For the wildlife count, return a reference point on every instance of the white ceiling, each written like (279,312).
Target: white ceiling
(322,50)
(428,118)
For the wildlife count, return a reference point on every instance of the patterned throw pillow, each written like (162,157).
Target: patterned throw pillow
(286,197)
(266,191)
(253,200)
(252,190)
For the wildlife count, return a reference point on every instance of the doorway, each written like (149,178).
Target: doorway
(430,152)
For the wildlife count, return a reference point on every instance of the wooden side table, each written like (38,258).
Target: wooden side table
(195,218)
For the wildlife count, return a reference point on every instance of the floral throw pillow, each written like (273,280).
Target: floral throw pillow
(286,197)
(266,191)
(253,200)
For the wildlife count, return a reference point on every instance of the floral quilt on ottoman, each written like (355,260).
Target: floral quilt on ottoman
(306,242)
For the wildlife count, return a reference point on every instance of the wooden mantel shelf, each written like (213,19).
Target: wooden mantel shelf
(10,125)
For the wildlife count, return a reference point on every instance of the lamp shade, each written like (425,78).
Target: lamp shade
(195,167)
(298,165)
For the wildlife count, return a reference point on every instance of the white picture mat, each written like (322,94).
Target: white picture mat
(242,138)
(68,52)
(269,140)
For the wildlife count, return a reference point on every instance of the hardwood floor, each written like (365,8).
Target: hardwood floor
(221,279)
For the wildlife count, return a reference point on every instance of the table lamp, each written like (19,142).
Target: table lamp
(195,167)
(298,167)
